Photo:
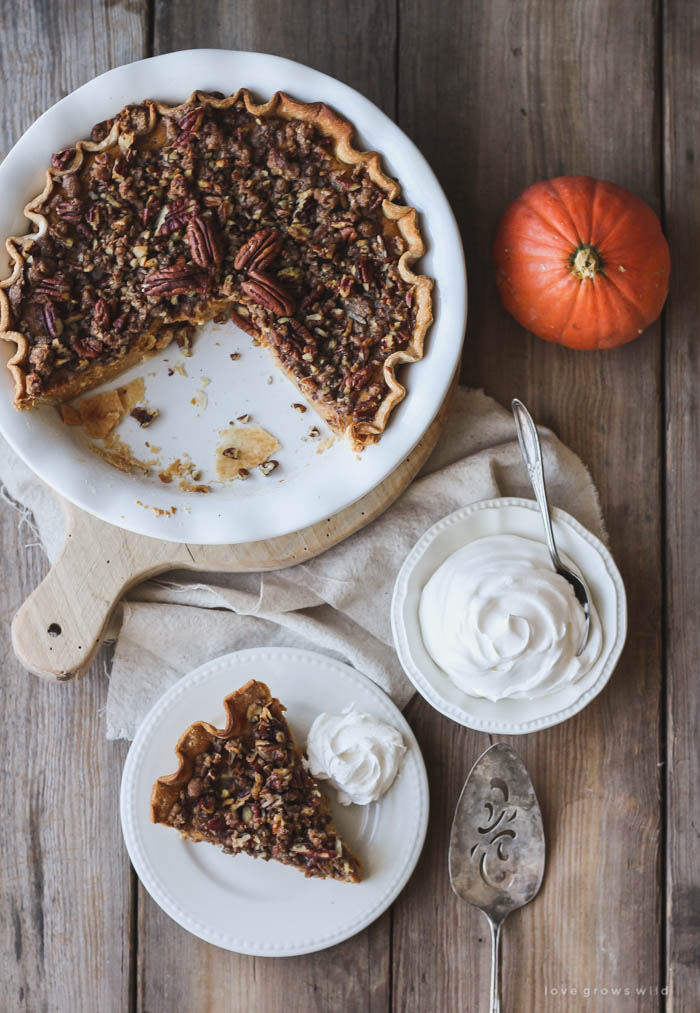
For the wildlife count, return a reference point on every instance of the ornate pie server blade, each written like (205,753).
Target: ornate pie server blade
(497,849)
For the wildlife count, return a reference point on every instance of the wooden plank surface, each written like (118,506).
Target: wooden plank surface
(528,96)
(681,89)
(496,95)
(355,42)
(66,886)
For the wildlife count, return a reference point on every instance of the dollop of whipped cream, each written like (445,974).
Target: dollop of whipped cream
(357,753)
(499,620)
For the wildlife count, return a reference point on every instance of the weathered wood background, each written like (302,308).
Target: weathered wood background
(497,93)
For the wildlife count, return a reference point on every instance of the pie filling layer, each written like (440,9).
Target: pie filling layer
(247,790)
(171,217)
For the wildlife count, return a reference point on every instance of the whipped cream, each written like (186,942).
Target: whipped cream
(357,753)
(500,622)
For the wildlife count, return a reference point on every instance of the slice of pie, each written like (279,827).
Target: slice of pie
(221,208)
(246,789)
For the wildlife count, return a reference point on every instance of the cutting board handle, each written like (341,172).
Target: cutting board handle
(58,629)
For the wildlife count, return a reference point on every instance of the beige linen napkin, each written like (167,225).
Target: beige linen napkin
(337,603)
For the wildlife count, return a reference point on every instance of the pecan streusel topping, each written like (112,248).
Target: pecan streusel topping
(201,210)
(251,793)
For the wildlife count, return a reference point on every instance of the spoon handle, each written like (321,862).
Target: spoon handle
(532,454)
(495,966)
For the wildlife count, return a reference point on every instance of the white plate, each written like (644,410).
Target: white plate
(245,904)
(307,486)
(514,517)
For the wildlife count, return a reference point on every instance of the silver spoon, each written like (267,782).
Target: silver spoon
(496,855)
(532,455)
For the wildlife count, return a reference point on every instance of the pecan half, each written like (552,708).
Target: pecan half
(56,288)
(176,216)
(268,293)
(149,207)
(69,210)
(300,335)
(61,159)
(53,325)
(365,271)
(361,378)
(190,123)
(101,314)
(100,130)
(93,216)
(365,410)
(259,250)
(245,325)
(88,348)
(170,281)
(204,242)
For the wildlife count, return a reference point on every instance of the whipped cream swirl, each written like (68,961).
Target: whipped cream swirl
(501,622)
(357,753)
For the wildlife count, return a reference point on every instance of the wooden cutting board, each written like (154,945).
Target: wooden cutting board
(58,629)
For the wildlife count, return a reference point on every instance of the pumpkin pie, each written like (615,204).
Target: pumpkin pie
(245,788)
(170,216)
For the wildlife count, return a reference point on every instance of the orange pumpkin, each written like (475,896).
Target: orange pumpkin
(581,262)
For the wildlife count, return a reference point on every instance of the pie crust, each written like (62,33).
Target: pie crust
(253,764)
(369,388)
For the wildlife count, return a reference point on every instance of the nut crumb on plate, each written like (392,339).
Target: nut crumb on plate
(184,469)
(144,416)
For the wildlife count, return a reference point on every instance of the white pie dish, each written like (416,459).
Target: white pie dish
(308,486)
(516,517)
(248,905)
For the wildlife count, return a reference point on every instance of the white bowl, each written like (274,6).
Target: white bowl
(514,517)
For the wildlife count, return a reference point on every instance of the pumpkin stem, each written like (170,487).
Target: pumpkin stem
(586,262)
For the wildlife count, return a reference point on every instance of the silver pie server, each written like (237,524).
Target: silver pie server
(496,855)
(532,455)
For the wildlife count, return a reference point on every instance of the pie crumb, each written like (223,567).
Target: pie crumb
(158,511)
(101,413)
(185,470)
(248,447)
